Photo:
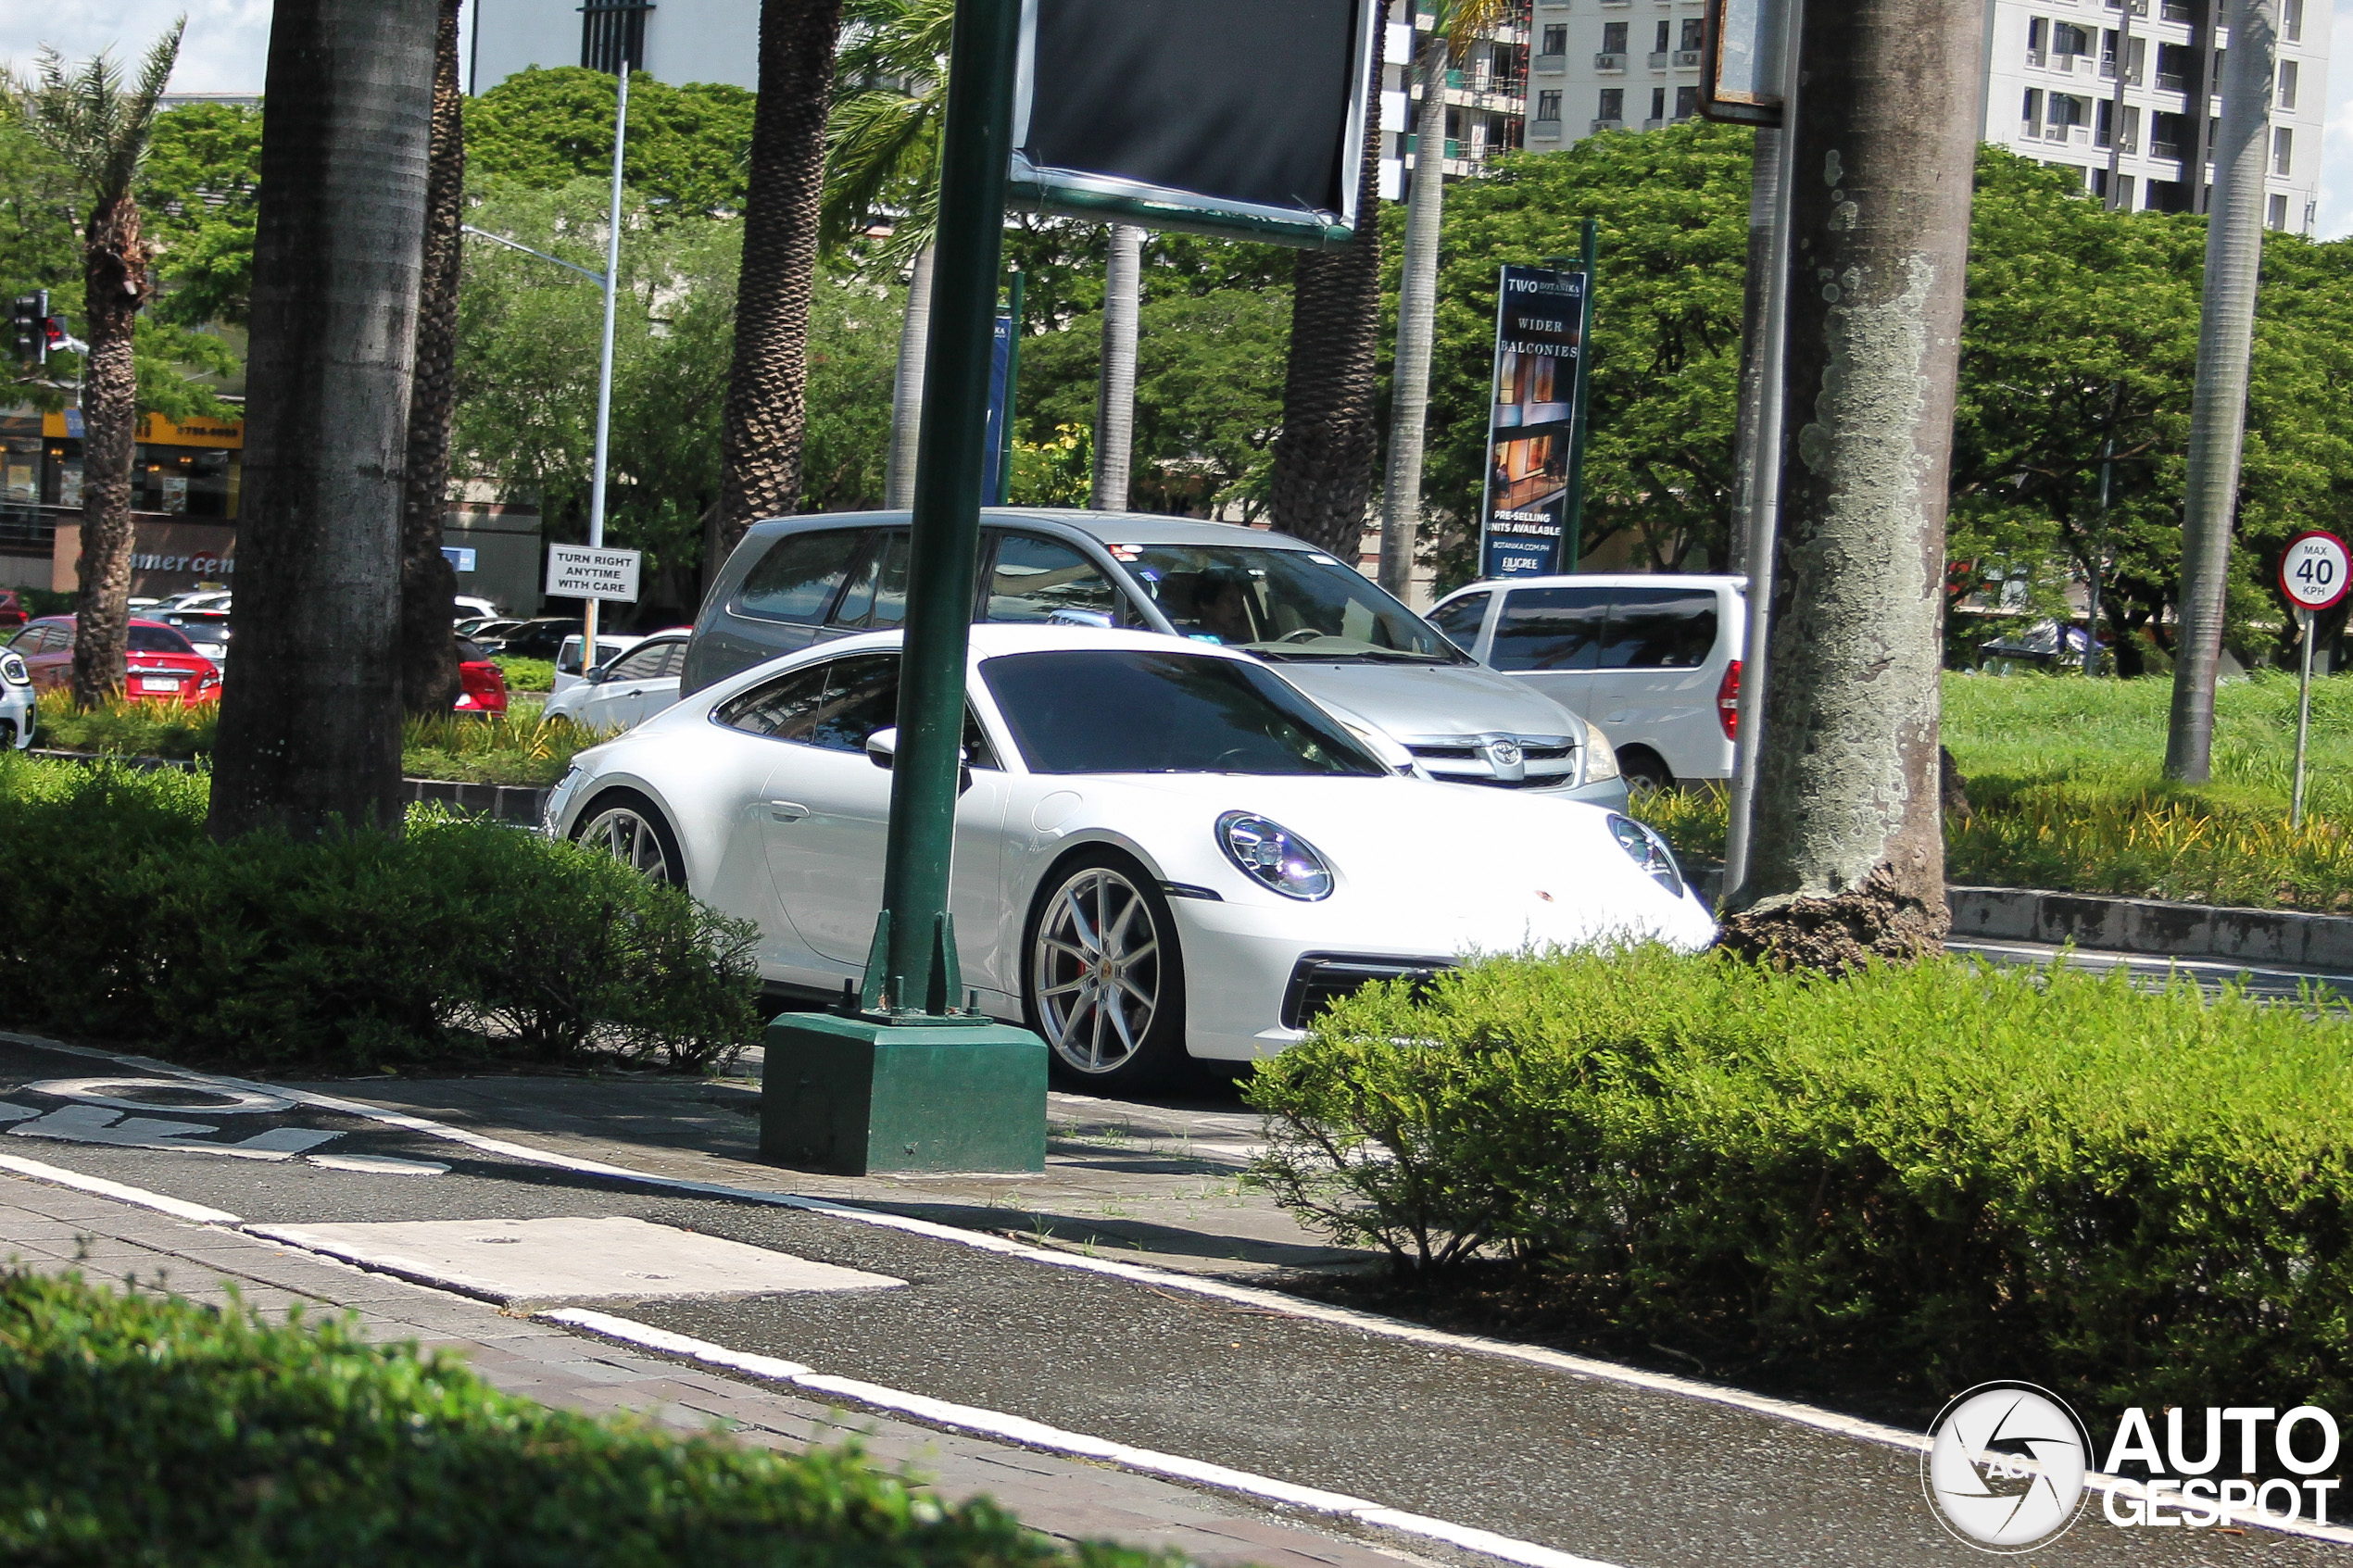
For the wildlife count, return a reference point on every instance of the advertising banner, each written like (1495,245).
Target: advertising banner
(1540,333)
(1001,352)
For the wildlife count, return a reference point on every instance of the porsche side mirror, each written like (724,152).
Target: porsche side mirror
(882,747)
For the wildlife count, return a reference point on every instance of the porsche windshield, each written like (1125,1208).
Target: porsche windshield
(1127,710)
(1281,604)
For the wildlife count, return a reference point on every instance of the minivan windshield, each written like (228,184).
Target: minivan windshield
(1282,605)
(1127,710)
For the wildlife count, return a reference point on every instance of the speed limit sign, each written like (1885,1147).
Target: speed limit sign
(2313,571)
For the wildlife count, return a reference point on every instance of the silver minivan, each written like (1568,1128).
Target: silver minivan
(1653,659)
(1333,632)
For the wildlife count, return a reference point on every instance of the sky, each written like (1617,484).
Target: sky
(228,38)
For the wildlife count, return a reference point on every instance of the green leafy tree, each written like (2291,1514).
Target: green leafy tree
(201,188)
(688,145)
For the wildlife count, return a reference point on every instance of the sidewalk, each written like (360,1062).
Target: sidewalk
(53,1229)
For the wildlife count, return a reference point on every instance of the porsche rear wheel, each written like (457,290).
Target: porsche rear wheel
(1103,977)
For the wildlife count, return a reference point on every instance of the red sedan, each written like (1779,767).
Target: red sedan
(11,609)
(482,685)
(162,667)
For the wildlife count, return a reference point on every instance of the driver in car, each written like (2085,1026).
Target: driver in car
(1222,603)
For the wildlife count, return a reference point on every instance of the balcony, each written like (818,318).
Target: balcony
(2172,82)
(1601,125)
(1686,58)
(1555,65)
(1653,123)
(2178,11)
(2170,151)
(1612,63)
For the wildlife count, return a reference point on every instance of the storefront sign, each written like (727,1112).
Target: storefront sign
(577,571)
(1540,333)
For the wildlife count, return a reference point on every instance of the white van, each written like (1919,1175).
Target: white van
(1653,659)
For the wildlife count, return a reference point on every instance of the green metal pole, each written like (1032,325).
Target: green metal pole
(1573,515)
(913,940)
(1012,389)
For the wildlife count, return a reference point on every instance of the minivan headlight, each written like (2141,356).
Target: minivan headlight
(12,669)
(1272,855)
(1647,849)
(1601,758)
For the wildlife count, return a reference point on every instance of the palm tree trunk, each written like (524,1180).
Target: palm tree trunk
(1417,322)
(1331,438)
(428,582)
(1115,392)
(907,388)
(115,284)
(2218,405)
(309,734)
(1847,854)
(768,388)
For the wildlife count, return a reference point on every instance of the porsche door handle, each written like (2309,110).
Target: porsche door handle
(786,811)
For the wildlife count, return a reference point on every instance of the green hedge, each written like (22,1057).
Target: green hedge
(358,953)
(1937,1174)
(145,1430)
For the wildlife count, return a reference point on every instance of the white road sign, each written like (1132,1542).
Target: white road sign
(581,571)
(2313,570)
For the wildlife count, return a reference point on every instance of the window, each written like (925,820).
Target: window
(1613,38)
(2277,217)
(1686,102)
(1037,580)
(1612,104)
(1548,106)
(1659,629)
(2031,113)
(1689,36)
(1133,711)
(1282,603)
(2034,26)
(2068,39)
(876,599)
(1664,31)
(796,579)
(1551,629)
(1659,104)
(158,639)
(2292,20)
(836,705)
(2283,149)
(1556,39)
(648,662)
(2287,85)
(1461,619)
(612,31)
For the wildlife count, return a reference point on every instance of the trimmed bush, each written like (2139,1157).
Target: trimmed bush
(355,953)
(1935,1175)
(147,1430)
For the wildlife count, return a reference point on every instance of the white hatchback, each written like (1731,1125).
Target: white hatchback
(1653,659)
(1163,849)
(625,690)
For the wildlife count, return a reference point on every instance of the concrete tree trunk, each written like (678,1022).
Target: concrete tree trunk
(1115,392)
(310,732)
(1847,856)
(428,584)
(1330,440)
(2217,407)
(767,412)
(1417,323)
(907,388)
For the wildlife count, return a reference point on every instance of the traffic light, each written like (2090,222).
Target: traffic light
(53,336)
(28,318)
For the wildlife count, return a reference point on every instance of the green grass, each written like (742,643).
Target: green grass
(2066,776)
(521,749)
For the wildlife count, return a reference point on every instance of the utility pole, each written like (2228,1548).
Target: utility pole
(1845,856)
(604,366)
(2217,407)
(1573,512)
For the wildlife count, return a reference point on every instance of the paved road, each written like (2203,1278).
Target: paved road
(1586,1464)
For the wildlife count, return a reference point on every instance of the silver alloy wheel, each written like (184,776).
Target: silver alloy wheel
(626,835)
(1096,970)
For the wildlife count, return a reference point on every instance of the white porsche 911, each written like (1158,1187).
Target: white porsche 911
(1164,849)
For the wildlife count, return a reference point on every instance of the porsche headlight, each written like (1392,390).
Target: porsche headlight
(12,669)
(1601,758)
(1272,855)
(1647,849)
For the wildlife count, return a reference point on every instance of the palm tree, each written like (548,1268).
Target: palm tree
(1456,20)
(768,385)
(310,734)
(1115,392)
(100,130)
(1324,458)
(882,163)
(428,584)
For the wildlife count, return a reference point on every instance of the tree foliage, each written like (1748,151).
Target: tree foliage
(686,146)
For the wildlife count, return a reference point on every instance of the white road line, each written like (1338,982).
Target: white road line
(1029,1434)
(1275,1301)
(99,1186)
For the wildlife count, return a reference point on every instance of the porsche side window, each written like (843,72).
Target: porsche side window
(862,695)
(782,708)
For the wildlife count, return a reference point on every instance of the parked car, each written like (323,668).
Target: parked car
(206,630)
(486,629)
(471,607)
(162,665)
(17,710)
(1655,660)
(2045,645)
(1166,849)
(627,691)
(482,685)
(1334,633)
(537,639)
(12,612)
(194,598)
(568,671)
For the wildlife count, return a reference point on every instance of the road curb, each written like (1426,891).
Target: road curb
(2281,938)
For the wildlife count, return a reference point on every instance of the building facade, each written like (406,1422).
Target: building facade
(1486,97)
(2103,91)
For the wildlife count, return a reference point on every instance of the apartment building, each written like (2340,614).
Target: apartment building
(1486,97)
(2086,85)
